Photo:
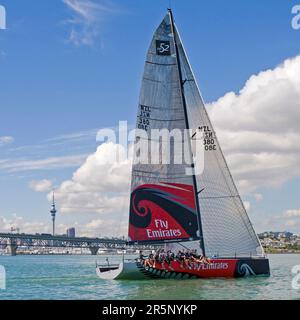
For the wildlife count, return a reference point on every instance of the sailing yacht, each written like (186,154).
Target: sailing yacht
(194,212)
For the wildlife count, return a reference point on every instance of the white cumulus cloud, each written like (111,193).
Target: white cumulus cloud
(6,140)
(292,213)
(41,185)
(91,228)
(24,226)
(258,128)
(100,186)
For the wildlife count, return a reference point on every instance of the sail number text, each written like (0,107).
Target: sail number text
(144,118)
(208,139)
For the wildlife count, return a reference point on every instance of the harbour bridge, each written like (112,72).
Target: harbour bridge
(12,241)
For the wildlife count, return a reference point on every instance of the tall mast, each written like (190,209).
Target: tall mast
(187,126)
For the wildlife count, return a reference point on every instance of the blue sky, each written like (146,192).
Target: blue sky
(62,77)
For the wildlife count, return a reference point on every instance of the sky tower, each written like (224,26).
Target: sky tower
(53,214)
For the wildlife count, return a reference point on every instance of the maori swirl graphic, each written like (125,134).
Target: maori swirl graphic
(140,212)
(244,270)
(147,198)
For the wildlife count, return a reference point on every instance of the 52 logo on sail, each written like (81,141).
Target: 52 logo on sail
(163,48)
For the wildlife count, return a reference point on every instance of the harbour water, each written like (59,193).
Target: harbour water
(73,277)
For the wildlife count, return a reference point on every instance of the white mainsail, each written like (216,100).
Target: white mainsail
(165,201)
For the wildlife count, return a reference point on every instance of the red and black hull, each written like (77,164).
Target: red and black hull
(217,268)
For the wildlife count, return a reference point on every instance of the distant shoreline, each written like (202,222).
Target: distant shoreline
(282,252)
